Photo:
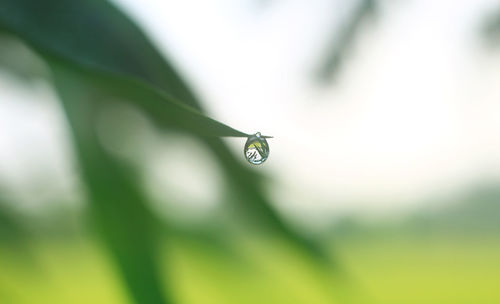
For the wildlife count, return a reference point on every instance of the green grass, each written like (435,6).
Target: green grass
(389,270)
(59,272)
(427,270)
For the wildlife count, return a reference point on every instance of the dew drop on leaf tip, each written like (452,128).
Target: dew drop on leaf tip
(256,149)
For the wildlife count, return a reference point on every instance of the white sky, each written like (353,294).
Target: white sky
(414,115)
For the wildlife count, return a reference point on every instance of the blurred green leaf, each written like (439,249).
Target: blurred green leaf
(162,108)
(343,39)
(11,230)
(117,205)
(92,32)
(491,28)
(59,27)
(19,61)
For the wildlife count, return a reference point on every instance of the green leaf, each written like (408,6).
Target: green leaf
(92,32)
(19,61)
(118,207)
(343,40)
(11,230)
(164,109)
(104,44)
(491,28)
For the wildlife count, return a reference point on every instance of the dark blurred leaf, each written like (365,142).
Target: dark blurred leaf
(117,205)
(19,60)
(92,32)
(11,230)
(343,40)
(40,31)
(491,29)
(162,108)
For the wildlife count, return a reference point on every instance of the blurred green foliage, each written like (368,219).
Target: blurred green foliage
(394,269)
(94,55)
(491,29)
(342,40)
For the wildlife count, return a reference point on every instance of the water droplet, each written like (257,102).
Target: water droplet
(256,149)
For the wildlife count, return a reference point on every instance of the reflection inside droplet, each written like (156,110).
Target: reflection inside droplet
(256,149)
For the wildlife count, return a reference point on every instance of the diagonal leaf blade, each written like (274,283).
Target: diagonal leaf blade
(117,205)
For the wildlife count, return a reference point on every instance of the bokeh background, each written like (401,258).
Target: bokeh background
(382,186)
